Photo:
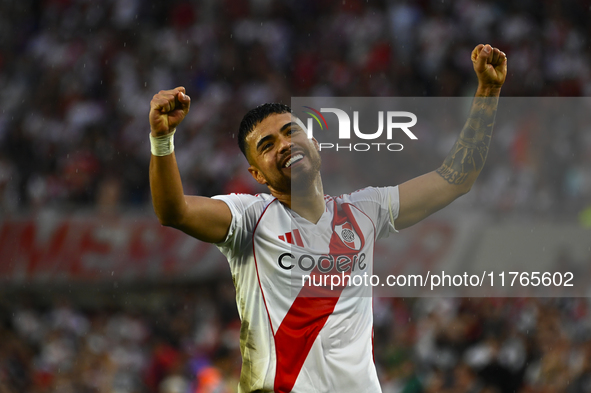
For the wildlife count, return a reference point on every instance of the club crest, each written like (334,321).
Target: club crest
(348,236)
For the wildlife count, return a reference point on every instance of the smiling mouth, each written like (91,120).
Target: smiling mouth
(293,160)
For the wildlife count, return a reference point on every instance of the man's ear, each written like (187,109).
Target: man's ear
(257,175)
(316,145)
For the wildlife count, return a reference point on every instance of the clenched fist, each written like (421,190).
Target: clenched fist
(167,109)
(490,65)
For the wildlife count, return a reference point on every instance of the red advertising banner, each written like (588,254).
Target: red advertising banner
(53,249)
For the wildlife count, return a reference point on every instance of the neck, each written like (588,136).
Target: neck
(308,202)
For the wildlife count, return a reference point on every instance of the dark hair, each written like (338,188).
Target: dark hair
(254,117)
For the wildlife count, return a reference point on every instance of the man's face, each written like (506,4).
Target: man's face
(279,151)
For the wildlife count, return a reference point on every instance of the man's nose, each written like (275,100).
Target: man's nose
(285,144)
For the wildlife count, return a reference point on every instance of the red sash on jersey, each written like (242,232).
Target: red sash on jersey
(312,307)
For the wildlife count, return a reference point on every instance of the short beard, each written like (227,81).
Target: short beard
(304,181)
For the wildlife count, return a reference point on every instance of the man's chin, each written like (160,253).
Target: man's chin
(304,177)
(301,181)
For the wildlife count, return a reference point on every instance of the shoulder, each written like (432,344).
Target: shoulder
(246,204)
(246,212)
(246,201)
(367,194)
(380,204)
(375,201)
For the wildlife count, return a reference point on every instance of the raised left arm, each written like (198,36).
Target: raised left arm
(426,194)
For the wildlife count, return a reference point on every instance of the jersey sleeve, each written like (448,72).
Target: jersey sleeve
(245,211)
(381,204)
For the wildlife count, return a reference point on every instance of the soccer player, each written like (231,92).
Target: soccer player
(291,341)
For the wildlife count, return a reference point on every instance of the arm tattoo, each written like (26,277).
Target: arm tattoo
(470,150)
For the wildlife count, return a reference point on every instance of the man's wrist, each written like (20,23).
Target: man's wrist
(157,134)
(162,145)
(488,91)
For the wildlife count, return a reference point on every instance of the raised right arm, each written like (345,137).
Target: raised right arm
(203,218)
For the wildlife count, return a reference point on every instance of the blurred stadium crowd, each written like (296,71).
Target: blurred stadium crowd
(186,341)
(76,78)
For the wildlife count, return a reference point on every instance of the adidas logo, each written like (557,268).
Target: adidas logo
(292,237)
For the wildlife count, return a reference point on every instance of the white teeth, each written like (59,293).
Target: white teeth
(293,159)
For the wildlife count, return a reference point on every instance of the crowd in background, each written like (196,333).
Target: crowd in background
(187,341)
(76,79)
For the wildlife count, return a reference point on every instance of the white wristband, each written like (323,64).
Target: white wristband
(162,145)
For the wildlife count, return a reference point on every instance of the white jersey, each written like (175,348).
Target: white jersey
(294,338)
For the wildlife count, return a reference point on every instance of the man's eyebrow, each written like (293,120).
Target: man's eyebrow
(287,125)
(262,141)
(267,137)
